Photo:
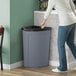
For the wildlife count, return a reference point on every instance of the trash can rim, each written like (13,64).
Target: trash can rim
(35,28)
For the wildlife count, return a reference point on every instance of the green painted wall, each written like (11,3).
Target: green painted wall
(21,14)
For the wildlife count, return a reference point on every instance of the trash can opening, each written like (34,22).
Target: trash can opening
(35,28)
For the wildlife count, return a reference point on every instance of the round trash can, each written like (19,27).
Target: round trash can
(36,46)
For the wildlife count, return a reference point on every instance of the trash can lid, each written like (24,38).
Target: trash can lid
(35,28)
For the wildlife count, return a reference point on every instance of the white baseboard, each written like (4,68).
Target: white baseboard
(17,64)
(12,66)
(56,63)
(20,63)
(72,64)
(53,63)
(6,66)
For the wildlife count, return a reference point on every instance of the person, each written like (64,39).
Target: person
(66,29)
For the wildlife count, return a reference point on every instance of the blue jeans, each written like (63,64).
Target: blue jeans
(65,34)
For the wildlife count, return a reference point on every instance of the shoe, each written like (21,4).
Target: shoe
(57,70)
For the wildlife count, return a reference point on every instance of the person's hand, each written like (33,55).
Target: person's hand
(42,22)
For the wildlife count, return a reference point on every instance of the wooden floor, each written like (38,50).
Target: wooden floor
(46,71)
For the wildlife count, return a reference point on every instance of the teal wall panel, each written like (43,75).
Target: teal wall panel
(21,14)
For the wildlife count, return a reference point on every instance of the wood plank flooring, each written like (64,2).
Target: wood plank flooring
(46,71)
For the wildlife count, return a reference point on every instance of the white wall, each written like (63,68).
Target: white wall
(5,21)
(5,12)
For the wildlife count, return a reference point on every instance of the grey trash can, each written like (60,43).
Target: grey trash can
(36,46)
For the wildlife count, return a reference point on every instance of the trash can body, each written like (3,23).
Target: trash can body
(36,47)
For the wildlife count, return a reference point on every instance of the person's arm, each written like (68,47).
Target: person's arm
(73,7)
(51,4)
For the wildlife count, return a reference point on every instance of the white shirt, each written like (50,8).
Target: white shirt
(66,15)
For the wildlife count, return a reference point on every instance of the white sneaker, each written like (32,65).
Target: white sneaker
(57,70)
